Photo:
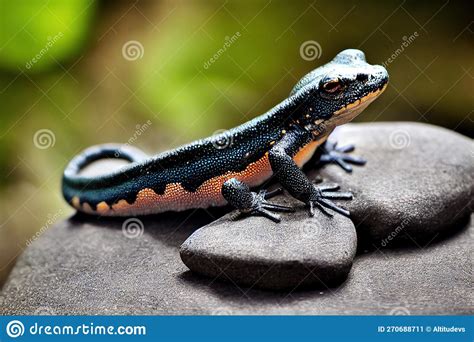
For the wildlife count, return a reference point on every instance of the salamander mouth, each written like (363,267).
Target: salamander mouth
(365,100)
(351,110)
(346,113)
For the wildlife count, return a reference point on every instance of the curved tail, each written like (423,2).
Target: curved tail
(106,151)
(74,184)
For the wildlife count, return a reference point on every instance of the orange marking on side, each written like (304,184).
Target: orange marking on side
(102,207)
(306,152)
(176,198)
(76,203)
(120,205)
(87,208)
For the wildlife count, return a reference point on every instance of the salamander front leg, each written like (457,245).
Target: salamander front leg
(247,202)
(339,155)
(299,186)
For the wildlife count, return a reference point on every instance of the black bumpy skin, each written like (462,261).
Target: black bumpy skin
(221,169)
(295,181)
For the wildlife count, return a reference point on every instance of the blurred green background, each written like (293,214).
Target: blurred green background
(161,73)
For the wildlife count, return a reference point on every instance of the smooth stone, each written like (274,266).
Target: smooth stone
(87,266)
(417,185)
(91,268)
(299,252)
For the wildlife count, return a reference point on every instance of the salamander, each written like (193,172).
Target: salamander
(223,168)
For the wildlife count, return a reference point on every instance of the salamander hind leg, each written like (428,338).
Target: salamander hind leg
(331,153)
(247,202)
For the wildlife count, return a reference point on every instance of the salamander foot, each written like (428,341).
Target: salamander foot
(339,155)
(247,202)
(321,198)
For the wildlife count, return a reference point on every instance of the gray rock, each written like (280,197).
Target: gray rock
(300,251)
(91,266)
(417,184)
(80,267)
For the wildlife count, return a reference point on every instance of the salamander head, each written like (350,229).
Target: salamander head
(338,91)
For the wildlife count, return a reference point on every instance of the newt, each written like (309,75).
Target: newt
(209,173)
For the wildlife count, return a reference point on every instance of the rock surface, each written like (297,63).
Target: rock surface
(418,181)
(97,266)
(93,268)
(300,251)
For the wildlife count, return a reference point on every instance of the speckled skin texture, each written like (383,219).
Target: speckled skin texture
(192,176)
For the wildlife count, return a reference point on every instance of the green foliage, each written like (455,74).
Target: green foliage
(36,34)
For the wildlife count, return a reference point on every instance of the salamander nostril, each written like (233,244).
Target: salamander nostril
(362,77)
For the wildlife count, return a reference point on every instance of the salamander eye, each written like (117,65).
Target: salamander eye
(332,86)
